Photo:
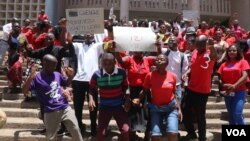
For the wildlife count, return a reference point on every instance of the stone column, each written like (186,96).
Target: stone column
(55,9)
(50,8)
(124,9)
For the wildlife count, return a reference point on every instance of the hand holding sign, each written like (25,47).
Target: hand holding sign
(134,39)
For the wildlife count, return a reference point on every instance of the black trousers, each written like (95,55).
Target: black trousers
(80,91)
(134,93)
(195,104)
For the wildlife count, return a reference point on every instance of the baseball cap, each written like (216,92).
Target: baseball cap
(190,30)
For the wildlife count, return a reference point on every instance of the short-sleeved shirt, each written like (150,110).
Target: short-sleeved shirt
(42,17)
(201,70)
(203,32)
(162,87)
(138,69)
(183,46)
(27,31)
(231,40)
(231,72)
(39,42)
(49,91)
(110,86)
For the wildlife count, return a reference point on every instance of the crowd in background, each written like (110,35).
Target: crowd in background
(141,90)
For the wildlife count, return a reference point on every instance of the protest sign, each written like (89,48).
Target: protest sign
(192,15)
(85,20)
(134,39)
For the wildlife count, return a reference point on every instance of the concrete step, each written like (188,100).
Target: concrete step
(3,82)
(33,113)
(3,77)
(34,123)
(20,103)
(3,72)
(33,135)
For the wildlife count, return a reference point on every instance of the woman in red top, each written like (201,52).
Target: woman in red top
(203,30)
(233,76)
(162,84)
(137,66)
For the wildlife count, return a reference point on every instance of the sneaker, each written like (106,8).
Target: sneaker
(43,131)
(189,137)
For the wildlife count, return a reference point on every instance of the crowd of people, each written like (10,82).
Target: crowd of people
(150,92)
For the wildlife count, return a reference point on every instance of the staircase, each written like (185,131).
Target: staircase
(23,123)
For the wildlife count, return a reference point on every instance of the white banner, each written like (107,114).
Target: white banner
(85,20)
(192,15)
(134,39)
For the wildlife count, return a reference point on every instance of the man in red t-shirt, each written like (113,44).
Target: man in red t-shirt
(203,30)
(199,86)
(27,30)
(42,16)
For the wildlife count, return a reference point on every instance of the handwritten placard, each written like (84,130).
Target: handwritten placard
(192,15)
(85,20)
(134,39)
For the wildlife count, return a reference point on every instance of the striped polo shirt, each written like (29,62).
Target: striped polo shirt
(110,86)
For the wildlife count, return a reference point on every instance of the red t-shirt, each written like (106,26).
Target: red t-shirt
(231,72)
(39,41)
(201,70)
(42,17)
(182,46)
(162,87)
(202,32)
(212,31)
(231,40)
(27,31)
(138,69)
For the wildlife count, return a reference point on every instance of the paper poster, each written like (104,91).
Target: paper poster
(192,15)
(85,20)
(134,39)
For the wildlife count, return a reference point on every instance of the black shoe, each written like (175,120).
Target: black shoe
(83,128)
(43,131)
(189,137)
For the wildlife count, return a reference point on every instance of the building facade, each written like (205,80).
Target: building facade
(139,9)
(167,9)
(19,8)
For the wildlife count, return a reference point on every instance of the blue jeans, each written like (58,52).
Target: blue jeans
(235,105)
(169,112)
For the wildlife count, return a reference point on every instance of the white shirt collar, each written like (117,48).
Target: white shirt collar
(114,72)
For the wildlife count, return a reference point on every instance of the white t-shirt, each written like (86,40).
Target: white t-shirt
(174,64)
(87,60)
